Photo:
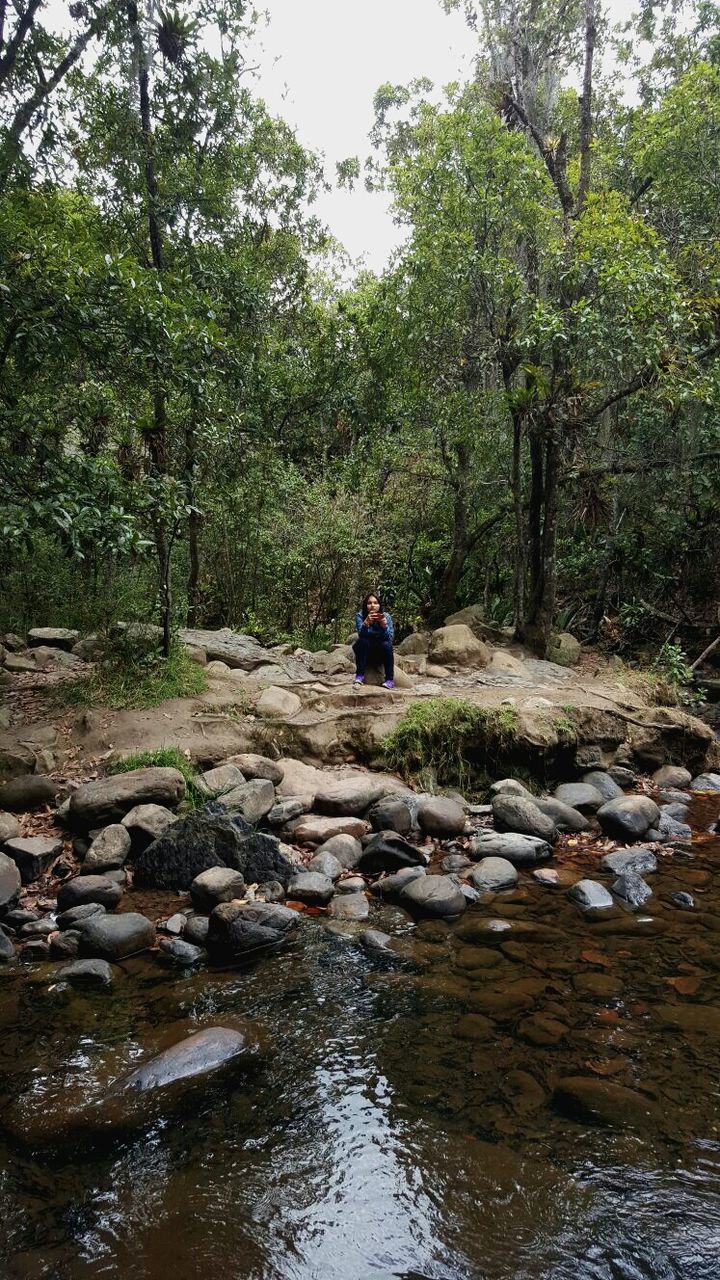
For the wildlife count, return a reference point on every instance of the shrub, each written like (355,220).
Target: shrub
(449,740)
(130,680)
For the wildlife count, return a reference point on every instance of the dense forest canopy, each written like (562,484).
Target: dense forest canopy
(201,421)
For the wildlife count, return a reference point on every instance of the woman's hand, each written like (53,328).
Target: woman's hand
(382,620)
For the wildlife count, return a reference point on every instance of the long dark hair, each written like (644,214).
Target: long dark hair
(364,606)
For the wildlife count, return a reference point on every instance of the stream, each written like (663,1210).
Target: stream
(406,1121)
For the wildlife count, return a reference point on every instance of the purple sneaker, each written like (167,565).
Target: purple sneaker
(388,684)
(359,680)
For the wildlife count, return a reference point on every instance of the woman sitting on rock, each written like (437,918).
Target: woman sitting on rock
(374,643)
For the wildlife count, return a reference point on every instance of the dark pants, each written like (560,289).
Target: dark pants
(375,651)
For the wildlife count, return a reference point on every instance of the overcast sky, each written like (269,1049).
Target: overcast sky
(321,62)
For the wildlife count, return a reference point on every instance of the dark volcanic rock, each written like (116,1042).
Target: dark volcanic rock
(113,937)
(83,889)
(203,840)
(387,851)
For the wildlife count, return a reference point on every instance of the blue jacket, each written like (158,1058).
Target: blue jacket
(375,631)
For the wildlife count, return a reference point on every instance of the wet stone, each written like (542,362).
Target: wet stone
(555,877)
(217,884)
(581,796)
(35,950)
(441,817)
(311,887)
(388,852)
(327,864)
(113,937)
(65,945)
(71,918)
(685,901)
(83,889)
(629,818)
(706,782)
(456,862)
(353,884)
(376,940)
(493,874)
(174,925)
(640,861)
(20,916)
(183,954)
(632,890)
(433,896)
(598,986)
(590,895)
(670,830)
(196,930)
(519,814)
(390,887)
(86,973)
(7,950)
(521,850)
(349,906)
(36,929)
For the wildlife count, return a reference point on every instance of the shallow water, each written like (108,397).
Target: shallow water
(404,1125)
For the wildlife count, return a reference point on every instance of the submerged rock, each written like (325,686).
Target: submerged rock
(601,1102)
(349,906)
(641,861)
(590,895)
(181,953)
(632,890)
(235,932)
(86,973)
(433,896)
(493,874)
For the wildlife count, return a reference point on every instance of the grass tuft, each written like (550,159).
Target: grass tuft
(449,741)
(164,758)
(132,685)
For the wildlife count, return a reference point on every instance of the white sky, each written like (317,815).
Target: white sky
(320,64)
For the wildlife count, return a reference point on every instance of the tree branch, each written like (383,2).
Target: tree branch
(9,58)
(586,106)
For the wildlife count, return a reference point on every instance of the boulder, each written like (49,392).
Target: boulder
(632,890)
(520,850)
(45,658)
(564,817)
(29,791)
(9,880)
(510,787)
(703,782)
(18,663)
(181,954)
(235,932)
(353,797)
(316,830)
(590,895)
(391,814)
(670,831)
(418,642)
(191,845)
(114,937)
(433,896)
(334,663)
(345,849)
(351,906)
(109,850)
(390,887)
(387,851)
(311,887)
(9,827)
(217,884)
(145,823)
(33,855)
(275,701)
(628,818)
(564,649)
(602,782)
(521,815)
(640,861)
(672,776)
(254,766)
(472,616)
(55,637)
(326,865)
(439,816)
(492,874)
(375,940)
(72,918)
(622,775)
(286,811)
(214,782)
(95,804)
(253,799)
(86,973)
(82,889)
(581,796)
(196,653)
(457,646)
